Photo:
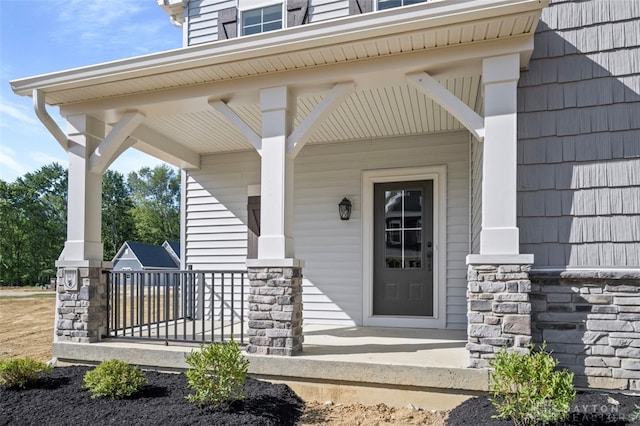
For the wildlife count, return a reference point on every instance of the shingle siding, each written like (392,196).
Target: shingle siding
(579,137)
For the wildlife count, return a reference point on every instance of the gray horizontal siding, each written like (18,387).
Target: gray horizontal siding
(476,194)
(216,211)
(216,231)
(332,249)
(324,10)
(202,20)
(127,265)
(579,137)
(202,16)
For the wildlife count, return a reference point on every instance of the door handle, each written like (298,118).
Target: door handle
(429,254)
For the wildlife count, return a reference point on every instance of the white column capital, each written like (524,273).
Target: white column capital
(497,69)
(275,98)
(85,125)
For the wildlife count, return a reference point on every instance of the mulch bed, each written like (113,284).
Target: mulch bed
(58,398)
(588,409)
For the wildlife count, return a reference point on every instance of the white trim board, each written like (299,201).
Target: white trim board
(439,176)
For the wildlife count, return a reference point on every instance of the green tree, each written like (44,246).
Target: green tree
(33,212)
(117,218)
(156,197)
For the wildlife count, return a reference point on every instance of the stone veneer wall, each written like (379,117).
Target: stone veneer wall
(81,313)
(591,322)
(275,311)
(499,311)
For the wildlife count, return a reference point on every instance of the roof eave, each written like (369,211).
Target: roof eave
(348,29)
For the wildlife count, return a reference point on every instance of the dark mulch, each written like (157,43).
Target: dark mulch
(59,399)
(588,409)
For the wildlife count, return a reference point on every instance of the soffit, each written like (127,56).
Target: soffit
(384,111)
(331,55)
(172,88)
(422,27)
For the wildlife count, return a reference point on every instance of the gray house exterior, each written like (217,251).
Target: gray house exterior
(516,123)
(579,187)
(133,256)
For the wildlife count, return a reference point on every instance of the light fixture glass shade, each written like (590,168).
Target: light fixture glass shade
(344,208)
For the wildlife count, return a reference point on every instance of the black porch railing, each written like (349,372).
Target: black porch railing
(180,306)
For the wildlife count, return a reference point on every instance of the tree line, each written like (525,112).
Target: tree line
(143,207)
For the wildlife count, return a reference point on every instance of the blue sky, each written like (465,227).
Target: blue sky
(43,36)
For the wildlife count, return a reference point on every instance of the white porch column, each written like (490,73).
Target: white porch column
(276,228)
(499,233)
(84,217)
(81,308)
(498,286)
(275,296)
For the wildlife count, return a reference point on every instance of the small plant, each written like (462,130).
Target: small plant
(114,379)
(21,372)
(217,374)
(635,415)
(528,389)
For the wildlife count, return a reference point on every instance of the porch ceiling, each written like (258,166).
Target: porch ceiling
(391,110)
(447,38)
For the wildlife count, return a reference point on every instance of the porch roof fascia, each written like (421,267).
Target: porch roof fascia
(352,29)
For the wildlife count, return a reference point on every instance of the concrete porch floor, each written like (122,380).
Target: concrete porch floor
(390,346)
(369,365)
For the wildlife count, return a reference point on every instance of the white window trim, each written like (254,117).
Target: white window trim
(375,5)
(256,4)
(439,176)
(249,5)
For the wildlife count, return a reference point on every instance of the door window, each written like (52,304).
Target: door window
(403,228)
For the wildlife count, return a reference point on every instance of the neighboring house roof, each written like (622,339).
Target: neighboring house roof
(150,256)
(174,245)
(173,248)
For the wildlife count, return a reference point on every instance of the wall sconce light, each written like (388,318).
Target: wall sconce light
(344,208)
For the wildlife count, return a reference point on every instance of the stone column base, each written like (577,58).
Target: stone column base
(81,308)
(275,309)
(498,310)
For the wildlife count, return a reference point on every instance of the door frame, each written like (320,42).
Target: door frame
(438,174)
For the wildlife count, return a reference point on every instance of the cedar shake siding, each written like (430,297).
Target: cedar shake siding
(579,137)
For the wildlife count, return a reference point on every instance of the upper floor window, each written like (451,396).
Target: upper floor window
(389,4)
(261,20)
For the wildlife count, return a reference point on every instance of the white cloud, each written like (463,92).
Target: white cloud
(10,112)
(96,15)
(126,27)
(133,160)
(43,158)
(14,165)
(10,167)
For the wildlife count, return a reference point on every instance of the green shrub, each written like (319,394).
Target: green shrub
(114,379)
(217,374)
(528,389)
(21,372)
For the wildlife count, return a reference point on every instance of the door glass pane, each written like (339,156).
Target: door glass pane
(403,229)
(412,249)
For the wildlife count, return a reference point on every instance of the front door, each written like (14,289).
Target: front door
(403,249)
